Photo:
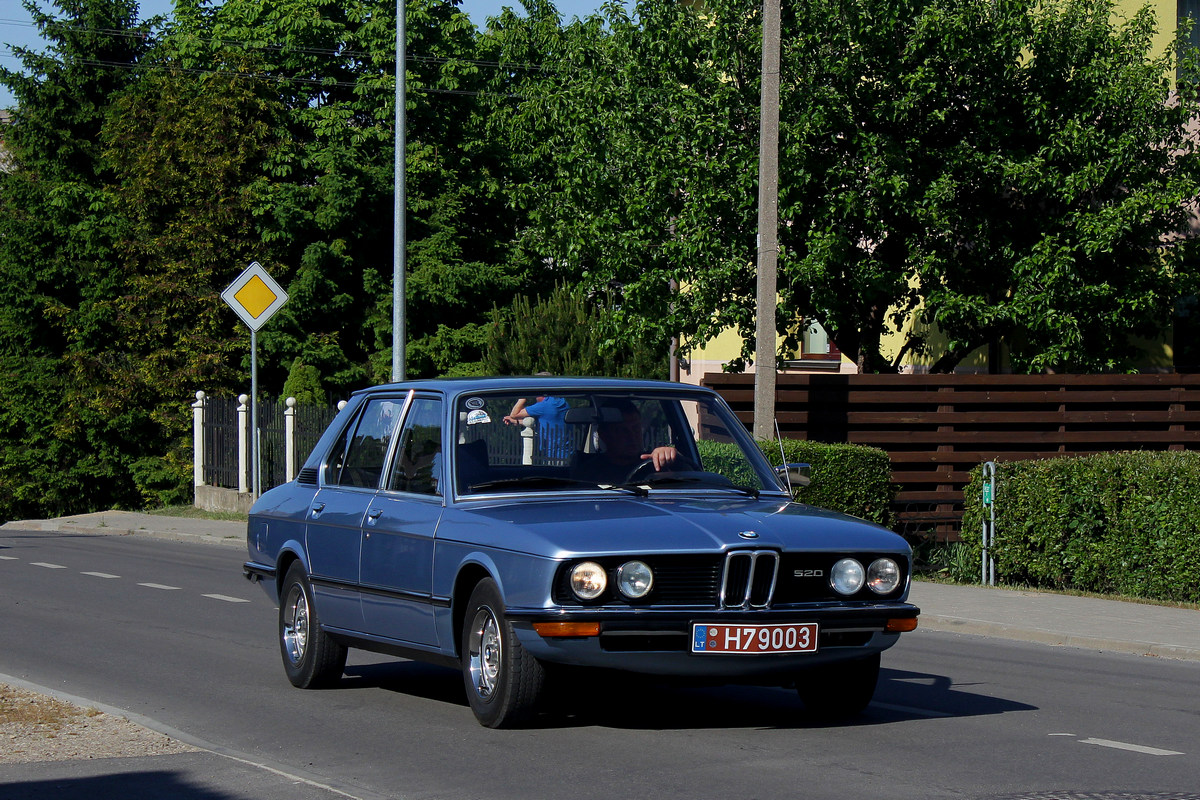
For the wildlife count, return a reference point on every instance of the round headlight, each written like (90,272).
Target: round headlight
(634,579)
(588,580)
(883,575)
(847,576)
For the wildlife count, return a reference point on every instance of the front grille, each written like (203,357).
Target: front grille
(749,580)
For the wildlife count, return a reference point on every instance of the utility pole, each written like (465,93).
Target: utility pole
(768,226)
(398,201)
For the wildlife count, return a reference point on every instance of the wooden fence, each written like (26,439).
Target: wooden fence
(936,428)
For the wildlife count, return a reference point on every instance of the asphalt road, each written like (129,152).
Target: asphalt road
(171,631)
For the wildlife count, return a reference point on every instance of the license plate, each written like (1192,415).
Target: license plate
(800,637)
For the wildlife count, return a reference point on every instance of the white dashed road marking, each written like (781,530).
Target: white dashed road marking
(1136,748)
(109,576)
(227,598)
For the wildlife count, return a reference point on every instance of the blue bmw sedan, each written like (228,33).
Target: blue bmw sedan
(508,526)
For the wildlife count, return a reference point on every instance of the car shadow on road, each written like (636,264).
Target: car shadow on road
(201,775)
(579,698)
(427,681)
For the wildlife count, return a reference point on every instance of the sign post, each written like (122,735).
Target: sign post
(255,297)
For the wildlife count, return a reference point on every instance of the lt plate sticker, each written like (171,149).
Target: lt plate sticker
(478,416)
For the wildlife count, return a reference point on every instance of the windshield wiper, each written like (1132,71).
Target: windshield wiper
(660,479)
(549,481)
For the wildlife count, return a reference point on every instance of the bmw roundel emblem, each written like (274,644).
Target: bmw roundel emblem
(748,534)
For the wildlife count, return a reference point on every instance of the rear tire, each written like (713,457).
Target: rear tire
(503,682)
(839,690)
(311,658)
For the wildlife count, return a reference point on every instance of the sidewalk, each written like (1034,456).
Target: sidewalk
(1041,617)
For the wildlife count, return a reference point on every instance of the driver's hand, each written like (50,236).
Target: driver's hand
(662,457)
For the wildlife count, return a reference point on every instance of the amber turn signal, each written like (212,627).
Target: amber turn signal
(900,625)
(566,629)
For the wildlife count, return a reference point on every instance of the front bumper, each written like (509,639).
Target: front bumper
(659,641)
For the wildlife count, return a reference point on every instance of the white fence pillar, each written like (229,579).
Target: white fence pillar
(243,412)
(289,439)
(198,440)
(527,424)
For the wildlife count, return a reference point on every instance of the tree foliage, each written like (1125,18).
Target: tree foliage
(151,162)
(61,451)
(964,172)
(563,334)
(992,171)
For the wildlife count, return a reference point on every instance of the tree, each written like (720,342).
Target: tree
(1011,171)
(56,241)
(636,141)
(999,171)
(325,213)
(149,169)
(563,334)
(187,155)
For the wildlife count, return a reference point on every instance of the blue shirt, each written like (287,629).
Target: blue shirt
(550,413)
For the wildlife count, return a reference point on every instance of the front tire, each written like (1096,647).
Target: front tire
(503,682)
(311,658)
(839,690)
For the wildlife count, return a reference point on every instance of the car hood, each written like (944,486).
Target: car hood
(562,528)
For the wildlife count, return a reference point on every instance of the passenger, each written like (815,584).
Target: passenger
(550,414)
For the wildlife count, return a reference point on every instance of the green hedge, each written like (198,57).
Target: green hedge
(1124,523)
(850,478)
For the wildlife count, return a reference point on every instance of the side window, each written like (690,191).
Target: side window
(358,459)
(418,465)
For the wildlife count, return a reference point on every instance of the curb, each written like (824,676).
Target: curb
(70,526)
(998,630)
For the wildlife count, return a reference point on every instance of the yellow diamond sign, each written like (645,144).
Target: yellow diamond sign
(254,296)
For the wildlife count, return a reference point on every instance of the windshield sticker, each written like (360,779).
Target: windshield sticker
(477,416)
(474,402)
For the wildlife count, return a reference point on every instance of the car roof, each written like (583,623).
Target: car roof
(540,384)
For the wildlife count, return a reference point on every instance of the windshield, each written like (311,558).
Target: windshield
(614,440)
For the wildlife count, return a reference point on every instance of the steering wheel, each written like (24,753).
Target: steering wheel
(644,469)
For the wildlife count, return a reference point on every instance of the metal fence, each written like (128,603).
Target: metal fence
(224,420)
(221,442)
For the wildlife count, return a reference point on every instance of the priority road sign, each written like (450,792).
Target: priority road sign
(254,296)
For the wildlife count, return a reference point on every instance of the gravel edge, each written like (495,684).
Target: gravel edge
(35,727)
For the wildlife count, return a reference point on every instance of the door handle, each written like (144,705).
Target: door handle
(373,515)
(317,508)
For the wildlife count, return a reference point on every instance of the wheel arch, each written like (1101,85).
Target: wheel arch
(469,576)
(282,565)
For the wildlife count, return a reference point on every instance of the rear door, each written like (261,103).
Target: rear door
(353,472)
(399,529)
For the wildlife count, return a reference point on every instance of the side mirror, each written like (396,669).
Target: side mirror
(797,474)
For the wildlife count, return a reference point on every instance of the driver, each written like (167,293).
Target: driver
(624,449)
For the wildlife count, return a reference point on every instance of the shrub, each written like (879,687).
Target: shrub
(1124,523)
(849,478)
